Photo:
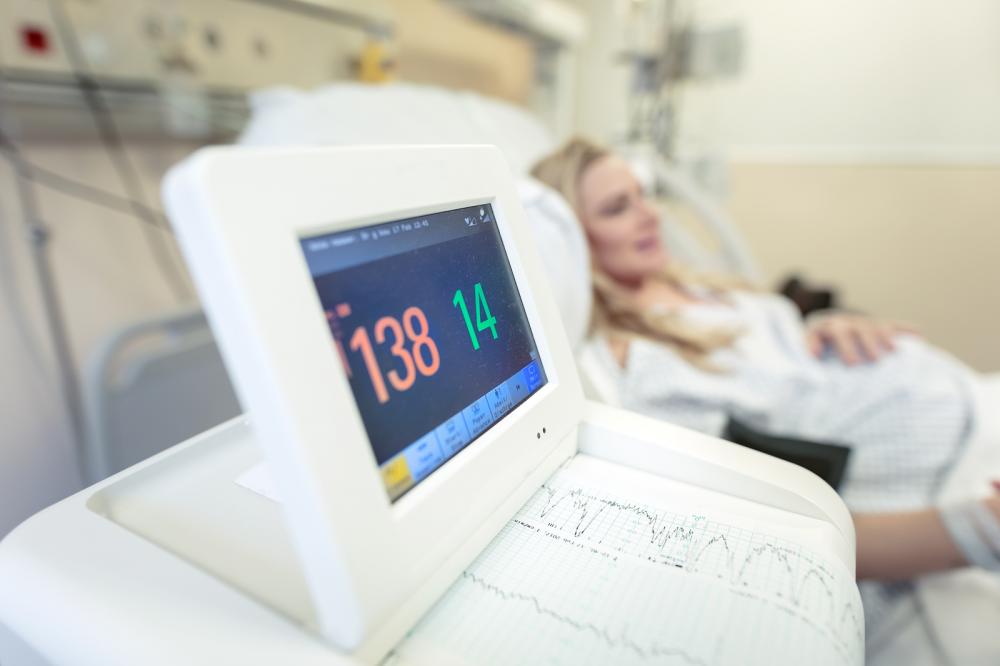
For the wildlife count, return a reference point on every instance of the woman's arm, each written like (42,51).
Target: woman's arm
(901,546)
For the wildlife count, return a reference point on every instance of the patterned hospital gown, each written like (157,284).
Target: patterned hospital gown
(906,417)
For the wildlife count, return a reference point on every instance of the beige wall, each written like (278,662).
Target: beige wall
(106,278)
(920,243)
(438,44)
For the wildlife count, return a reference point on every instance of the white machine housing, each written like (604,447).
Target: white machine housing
(362,555)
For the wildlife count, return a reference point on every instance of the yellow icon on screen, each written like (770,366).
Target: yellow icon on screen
(396,476)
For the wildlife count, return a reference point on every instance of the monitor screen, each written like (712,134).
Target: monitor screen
(429,325)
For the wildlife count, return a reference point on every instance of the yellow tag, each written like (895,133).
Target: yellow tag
(374,65)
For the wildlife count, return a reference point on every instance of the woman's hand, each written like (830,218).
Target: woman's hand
(992,502)
(855,338)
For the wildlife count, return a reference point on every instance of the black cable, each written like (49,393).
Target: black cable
(80,190)
(39,235)
(111,139)
(14,301)
(99,197)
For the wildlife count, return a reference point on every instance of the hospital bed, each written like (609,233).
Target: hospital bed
(369,538)
(168,360)
(153,355)
(943,622)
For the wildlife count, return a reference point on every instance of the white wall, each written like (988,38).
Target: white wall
(855,80)
(602,81)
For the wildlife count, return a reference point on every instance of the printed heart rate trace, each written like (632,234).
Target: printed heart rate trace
(581,576)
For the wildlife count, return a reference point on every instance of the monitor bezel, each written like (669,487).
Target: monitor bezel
(372,565)
(475,440)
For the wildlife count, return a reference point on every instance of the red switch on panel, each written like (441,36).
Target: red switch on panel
(35,39)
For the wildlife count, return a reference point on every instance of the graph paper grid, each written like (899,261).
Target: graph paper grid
(581,576)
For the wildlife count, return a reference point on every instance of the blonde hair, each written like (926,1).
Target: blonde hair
(615,313)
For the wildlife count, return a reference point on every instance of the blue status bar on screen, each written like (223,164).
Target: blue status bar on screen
(419,459)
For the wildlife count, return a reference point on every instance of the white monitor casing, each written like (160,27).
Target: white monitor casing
(372,566)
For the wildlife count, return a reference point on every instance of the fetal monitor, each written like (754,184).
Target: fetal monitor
(418,478)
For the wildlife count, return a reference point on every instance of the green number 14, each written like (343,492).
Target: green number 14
(482,324)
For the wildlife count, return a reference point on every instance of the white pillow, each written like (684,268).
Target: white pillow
(563,248)
(343,114)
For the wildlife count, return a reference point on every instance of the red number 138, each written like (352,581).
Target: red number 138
(422,356)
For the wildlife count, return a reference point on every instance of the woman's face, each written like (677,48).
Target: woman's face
(622,227)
